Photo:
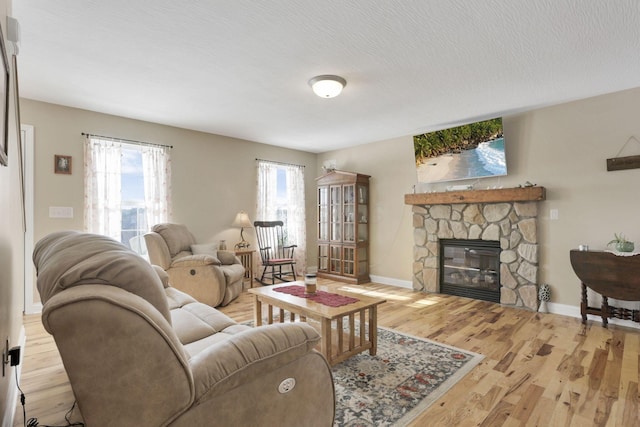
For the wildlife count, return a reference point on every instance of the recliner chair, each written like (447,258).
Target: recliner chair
(211,276)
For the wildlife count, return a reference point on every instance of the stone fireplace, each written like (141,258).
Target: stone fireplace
(486,215)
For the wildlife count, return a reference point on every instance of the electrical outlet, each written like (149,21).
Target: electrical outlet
(14,356)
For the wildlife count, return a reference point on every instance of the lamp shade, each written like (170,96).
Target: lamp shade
(242,220)
(327,86)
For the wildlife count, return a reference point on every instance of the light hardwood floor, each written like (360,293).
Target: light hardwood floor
(539,369)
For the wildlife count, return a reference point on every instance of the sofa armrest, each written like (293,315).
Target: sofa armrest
(228,258)
(117,347)
(158,250)
(247,355)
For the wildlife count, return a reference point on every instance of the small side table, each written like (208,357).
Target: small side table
(246,258)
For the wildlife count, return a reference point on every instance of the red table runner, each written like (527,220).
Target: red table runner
(321,297)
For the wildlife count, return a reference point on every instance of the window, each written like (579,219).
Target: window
(127,189)
(132,208)
(280,196)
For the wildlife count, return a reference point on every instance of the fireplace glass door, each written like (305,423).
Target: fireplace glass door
(470,268)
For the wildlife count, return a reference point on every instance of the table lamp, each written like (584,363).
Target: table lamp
(242,220)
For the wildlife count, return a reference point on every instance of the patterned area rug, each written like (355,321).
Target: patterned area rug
(406,376)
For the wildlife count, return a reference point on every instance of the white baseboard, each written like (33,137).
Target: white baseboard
(34,308)
(392,282)
(12,392)
(554,308)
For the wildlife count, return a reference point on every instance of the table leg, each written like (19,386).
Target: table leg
(325,332)
(257,311)
(583,304)
(373,330)
(605,311)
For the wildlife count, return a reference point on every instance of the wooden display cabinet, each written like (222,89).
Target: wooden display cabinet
(343,226)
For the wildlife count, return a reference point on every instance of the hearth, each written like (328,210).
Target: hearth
(470,268)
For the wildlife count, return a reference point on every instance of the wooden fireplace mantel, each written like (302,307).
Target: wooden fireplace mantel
(519,194)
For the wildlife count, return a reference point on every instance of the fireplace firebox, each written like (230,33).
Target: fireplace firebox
(470,268)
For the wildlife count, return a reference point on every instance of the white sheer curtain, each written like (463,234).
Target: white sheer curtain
(288,207)
(102,175)
(156,167)
(267,191)
(103,186)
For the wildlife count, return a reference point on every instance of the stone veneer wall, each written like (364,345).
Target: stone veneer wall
(514,225)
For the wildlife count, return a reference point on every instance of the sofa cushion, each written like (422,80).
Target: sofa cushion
(210,249)
(66,259)
(198,325)
(177,299)
(196,321)
(177,236)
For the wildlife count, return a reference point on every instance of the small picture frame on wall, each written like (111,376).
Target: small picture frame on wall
(62,164)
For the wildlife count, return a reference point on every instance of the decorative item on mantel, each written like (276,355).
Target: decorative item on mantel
(544,295)
(621,243)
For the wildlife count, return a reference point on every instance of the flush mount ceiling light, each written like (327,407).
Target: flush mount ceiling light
(327,86)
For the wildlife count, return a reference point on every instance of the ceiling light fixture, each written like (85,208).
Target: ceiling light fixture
(327,86)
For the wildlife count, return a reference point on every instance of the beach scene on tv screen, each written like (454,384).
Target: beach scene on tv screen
(475,150)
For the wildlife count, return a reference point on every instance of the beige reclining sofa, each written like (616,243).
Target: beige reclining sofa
(212,277)
(141,353)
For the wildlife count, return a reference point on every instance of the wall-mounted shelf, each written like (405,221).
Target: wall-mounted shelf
(523,194)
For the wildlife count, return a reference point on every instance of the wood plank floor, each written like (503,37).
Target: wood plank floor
(539,369)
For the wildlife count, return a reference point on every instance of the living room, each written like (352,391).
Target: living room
(562,147)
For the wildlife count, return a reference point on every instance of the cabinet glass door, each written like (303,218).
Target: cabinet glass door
(323,257)
(323,213)
(335,259)
(349,212)
(363,213)
(336,213)
(348,262)
(362,261)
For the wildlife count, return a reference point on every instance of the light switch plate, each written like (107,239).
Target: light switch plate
(60,212)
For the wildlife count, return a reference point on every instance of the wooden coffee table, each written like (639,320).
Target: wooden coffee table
(358,339)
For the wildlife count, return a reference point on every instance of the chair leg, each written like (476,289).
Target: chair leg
(261,279)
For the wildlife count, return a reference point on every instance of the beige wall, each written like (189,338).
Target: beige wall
(563,148)
(213,177)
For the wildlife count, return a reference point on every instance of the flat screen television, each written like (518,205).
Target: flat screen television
(474,150)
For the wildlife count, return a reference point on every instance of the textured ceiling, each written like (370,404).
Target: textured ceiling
(240,68)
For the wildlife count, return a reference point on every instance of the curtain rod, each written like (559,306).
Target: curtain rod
(127,140)
(280,163)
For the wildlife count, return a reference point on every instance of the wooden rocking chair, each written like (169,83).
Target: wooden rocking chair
(273,252)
